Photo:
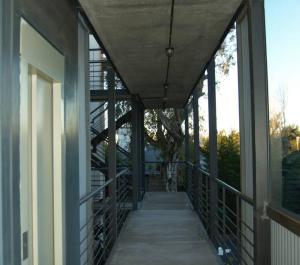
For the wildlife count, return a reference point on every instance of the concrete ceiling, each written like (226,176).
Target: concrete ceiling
(136,34)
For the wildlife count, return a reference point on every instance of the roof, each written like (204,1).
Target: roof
(136,34)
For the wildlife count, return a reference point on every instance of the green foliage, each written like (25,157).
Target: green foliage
(229,158)
(228,147)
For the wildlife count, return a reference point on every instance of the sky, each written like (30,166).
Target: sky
(283,55)
(227,102)
(283,62)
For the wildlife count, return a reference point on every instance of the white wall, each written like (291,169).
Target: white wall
(285,246)
(84,132)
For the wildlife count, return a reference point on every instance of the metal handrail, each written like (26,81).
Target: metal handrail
(100,106)
(99,114)
(228,187)
(88,196)
(225,185)
(160,162)
(220,210)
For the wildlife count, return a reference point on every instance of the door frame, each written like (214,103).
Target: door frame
(35,61)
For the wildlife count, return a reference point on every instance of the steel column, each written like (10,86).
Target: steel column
(258,70)
(143,181)
(139,146)
(245,110)
(196,174)
(10,251)
(213,156)
(136,151)
(112,160)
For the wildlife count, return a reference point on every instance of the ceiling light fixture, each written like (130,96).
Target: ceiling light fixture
(166,86)
(170,51)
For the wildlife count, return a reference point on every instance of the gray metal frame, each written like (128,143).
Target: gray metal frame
(112,158)
(1,199)
(142,147)
(260,130)
(213,157)
(138,151)
(135,145)
(9,141)
(102,95)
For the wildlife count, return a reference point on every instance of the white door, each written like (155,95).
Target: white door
(41,130)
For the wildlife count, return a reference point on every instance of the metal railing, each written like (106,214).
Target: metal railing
(227,215)
(98,229)
(99,65)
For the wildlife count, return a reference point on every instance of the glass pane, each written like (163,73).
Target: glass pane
(204,127)
(191,132)
(283,38)
(227,100)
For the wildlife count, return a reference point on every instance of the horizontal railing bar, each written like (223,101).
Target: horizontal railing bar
(104,205)
(222,242)
(99,114)
(100,106)
(161,162)
(91,194)
(229,188)
(108,182)
(233,234)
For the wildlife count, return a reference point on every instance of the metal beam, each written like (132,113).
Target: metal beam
(213,156)
(258,70)
(112,172)
(102,95)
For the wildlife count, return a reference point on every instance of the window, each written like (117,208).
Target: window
(283,38)
(191,130)
(204,126)
(227,104)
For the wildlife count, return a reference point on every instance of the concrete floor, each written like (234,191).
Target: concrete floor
(165,231)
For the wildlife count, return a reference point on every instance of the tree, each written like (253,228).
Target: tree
(163,128)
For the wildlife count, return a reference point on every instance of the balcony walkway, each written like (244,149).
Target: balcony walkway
(165,231)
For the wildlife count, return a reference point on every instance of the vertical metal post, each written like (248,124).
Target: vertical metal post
(139,145)
(244,210)
(112,147)
(213,156)
(258,70)
(135,144)
(196,174)
(143,182)
(186,145)
(9,134)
